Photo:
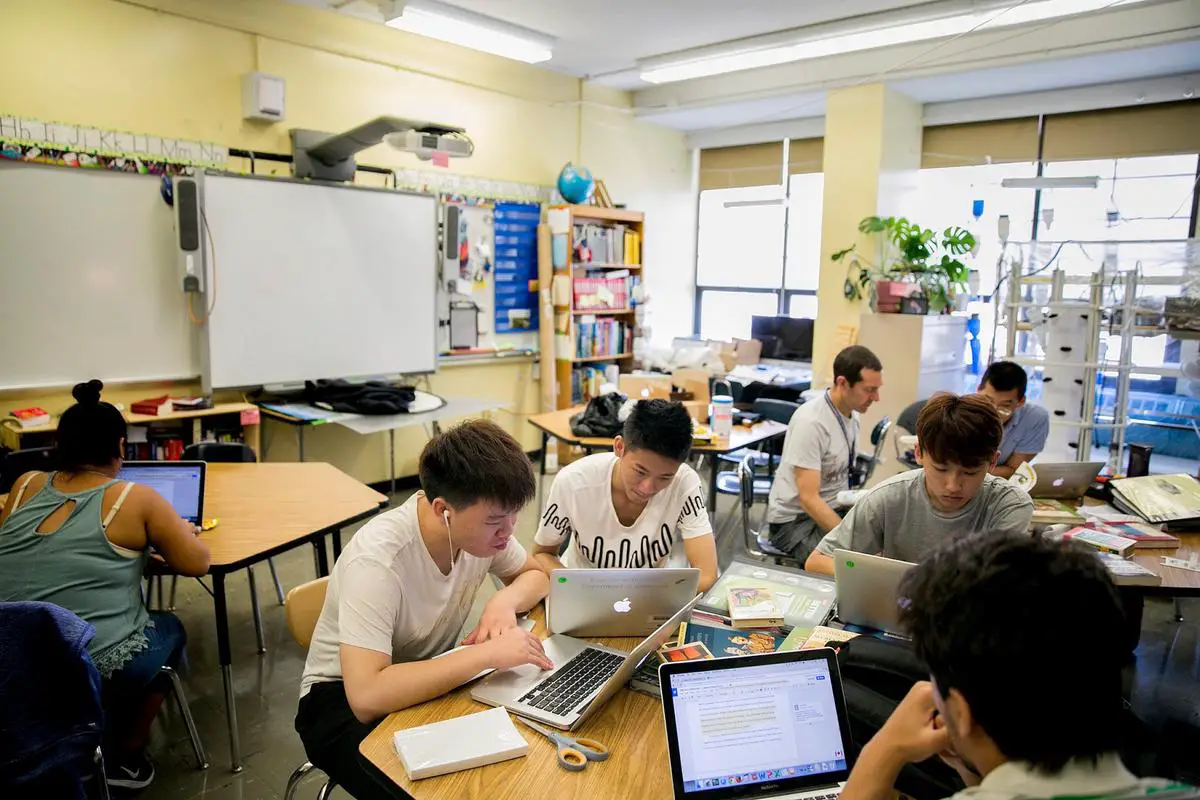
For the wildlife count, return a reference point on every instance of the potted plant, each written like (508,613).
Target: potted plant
(917,266)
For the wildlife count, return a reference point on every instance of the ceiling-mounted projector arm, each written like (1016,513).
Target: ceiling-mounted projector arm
(330,157)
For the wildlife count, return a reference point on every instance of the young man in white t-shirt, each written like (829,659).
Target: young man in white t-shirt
(638,506)
(401,591)
(1024,692)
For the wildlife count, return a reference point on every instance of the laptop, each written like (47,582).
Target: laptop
(181,483)
(617,602)
(868,590)
(1068,481)
(765,726)
(584,678)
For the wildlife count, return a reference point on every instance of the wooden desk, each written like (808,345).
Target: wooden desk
(558,425)
(631,724)
(264,510)
(1175,582)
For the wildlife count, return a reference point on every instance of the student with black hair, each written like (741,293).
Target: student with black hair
(403,588)
(1026,426)
(638,506)
(1024,692)
(79,538)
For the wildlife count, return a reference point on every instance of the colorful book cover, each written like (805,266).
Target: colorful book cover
(722,641)
(806,599)
(754,604)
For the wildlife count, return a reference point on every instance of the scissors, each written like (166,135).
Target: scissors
(573,754)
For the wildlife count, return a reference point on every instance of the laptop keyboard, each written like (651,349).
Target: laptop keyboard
(574,680)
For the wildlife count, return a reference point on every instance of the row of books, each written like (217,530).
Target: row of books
(602,337)
(585,384)
(607,244)
(604,293)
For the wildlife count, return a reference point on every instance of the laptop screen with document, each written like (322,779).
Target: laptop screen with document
(181,483)
(756,725)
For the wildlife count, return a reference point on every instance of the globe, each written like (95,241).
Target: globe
(576,184)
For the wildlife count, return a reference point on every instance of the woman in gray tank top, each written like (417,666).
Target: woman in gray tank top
(79,538)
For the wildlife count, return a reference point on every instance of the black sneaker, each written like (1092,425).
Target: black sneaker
(134,772)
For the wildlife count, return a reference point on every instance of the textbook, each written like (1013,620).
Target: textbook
(1053,512)
(1143,536)
(806,599)
(1159,498)
(754,607)
(1104,542)
(827,637)
(153,407)
(722,641)
(474,740)
(30,417)
(1128,573)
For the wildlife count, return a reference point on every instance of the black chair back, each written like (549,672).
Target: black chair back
(18,462)
(908,417)
(220,453)
(775,410)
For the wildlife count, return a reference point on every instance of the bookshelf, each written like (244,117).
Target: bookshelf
(222,422)
(597,310)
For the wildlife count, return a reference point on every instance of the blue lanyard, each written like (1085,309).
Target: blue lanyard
(838,416)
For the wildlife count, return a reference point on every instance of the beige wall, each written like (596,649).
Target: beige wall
(172,68)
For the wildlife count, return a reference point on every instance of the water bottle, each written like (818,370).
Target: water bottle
(721,418)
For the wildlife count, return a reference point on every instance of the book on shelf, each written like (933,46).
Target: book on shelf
(153,406)
(1144,536)
(33,417)
(604,293)
(602,337)
(1128,573)
(1173,499)
(191,403)
(1104,542)
(1053,512)
(611,245)
(753,607)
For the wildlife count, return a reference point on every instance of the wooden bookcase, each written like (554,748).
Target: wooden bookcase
(586,316)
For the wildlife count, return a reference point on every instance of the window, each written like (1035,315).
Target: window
(726,315)
(741,237)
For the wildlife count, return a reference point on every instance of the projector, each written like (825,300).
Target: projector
(423,145)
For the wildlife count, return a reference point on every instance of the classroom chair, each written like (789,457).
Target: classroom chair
(757,543)
(770,409)
(185,711)
(864,465)
(302,608)
(18,462)
(907,422)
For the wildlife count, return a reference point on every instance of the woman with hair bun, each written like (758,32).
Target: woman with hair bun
(79,538)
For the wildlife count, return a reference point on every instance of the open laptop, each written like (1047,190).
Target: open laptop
(1068,481)
(766,726)
(617,602)
(181,483)
(584,678)
(868,590)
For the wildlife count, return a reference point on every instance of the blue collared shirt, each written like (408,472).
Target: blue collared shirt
(1025,431)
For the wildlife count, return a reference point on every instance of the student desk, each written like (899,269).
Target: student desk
(1175,582)
(558,425)
(264,510)
(631,724)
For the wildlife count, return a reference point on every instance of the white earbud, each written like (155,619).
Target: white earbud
(449,540)
(446,519)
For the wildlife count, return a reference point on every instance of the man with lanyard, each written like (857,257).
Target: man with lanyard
(818,452)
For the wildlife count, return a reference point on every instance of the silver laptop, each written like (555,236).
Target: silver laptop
(617,602)
(181,483)
(768,726)
(1068,481)
(868,590)
(584,678)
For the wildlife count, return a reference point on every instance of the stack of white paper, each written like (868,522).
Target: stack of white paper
(459,743)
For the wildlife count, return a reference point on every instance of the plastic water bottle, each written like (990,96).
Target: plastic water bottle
(722,415)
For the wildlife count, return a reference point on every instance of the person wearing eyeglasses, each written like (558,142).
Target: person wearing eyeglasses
(1026,425)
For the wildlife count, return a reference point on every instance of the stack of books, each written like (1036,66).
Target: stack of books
(1170,500)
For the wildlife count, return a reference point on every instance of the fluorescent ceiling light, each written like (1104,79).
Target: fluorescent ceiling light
(1051,183)
(475,31)
(738,56)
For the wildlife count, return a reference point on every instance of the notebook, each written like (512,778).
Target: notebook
(460,743)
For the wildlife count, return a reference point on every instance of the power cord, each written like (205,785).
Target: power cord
(212,252)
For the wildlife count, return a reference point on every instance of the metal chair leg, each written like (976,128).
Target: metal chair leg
(159,581)
(185,711)
(174,586)
(256,611)
(326,791)
(1178,611)
(300,773)
(275,579)
(100,776)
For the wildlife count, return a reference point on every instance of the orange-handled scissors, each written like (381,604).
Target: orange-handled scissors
(573,754)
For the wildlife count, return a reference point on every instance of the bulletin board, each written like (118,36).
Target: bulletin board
(516,267)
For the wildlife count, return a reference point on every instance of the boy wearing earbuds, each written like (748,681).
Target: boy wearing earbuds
(401,591)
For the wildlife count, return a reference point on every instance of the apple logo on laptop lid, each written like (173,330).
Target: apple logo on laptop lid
(622,606)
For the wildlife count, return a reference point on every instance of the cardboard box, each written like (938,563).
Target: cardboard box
(645,386)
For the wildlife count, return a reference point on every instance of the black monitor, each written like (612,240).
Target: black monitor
(785,338)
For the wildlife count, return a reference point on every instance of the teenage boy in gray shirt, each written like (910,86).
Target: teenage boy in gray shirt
(951,496)
(818,452)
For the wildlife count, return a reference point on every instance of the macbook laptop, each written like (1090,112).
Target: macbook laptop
(181,483)
(1068,481)
(584,678)
(617,602)
(767,726)
(868,590)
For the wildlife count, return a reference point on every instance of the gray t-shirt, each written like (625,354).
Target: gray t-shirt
(897,519)
(818,437)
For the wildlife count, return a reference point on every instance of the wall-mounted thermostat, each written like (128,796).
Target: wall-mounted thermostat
(262,97)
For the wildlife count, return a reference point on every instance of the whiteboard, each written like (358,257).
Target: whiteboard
(317,281)
(90,284)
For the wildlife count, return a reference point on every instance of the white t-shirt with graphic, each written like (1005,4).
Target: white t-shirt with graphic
(386,594)
(580,506)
